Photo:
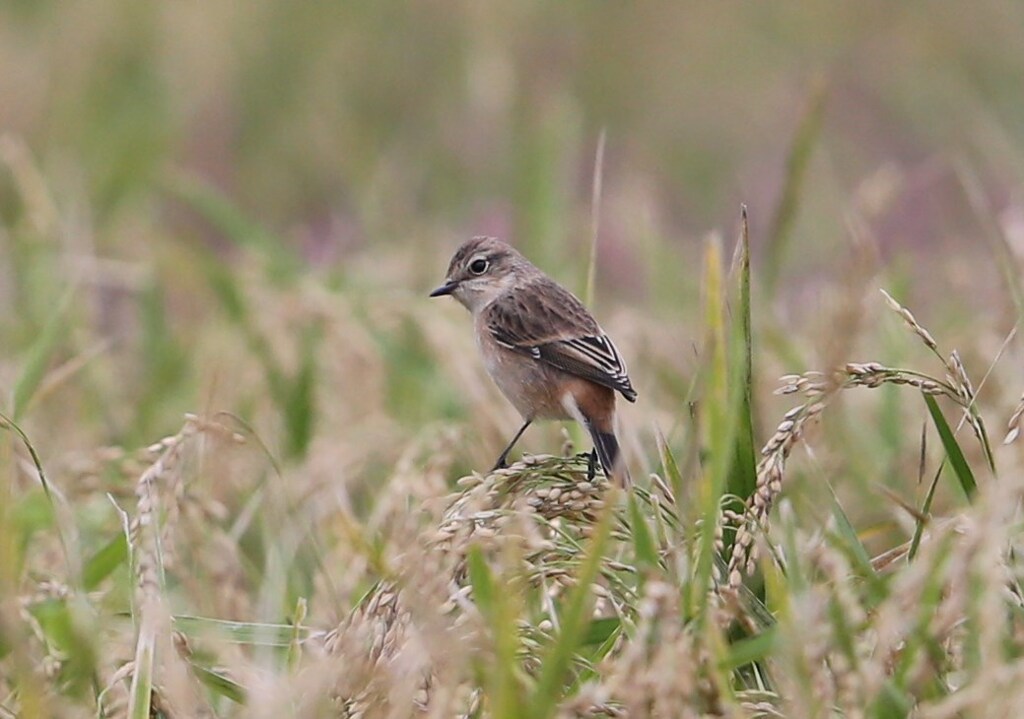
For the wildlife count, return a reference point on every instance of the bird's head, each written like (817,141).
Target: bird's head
(481,270)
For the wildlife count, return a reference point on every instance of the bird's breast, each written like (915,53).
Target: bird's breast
(532,387)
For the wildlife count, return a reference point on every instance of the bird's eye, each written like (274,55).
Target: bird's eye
(478,267)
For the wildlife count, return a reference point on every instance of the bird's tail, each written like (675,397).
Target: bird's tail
(608,454)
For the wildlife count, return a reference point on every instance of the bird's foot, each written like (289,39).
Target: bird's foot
(592,465)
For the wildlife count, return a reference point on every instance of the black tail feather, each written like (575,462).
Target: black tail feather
(607,447)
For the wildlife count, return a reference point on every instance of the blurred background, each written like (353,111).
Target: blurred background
(220,206)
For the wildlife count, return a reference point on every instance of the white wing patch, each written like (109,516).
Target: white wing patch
(592,357)
(600,352)
(532,351)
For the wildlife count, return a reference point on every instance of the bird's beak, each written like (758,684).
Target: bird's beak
(446,289)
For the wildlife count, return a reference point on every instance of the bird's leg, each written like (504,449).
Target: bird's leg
(592,464)
(501,463)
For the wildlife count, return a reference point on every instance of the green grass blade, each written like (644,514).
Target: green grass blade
(743,473)
(919,636)
(73,567)
(294,396)
(891,703)
(140,695)
(232,300)
(573,625)
(300,403)
(219,683)
(799,158)
(40,355)
(749,650)
(852,545)
(595,218)
(601,630)
(926,509)
(250,633)
(295,642)
(166,359)
(481,580)
(671,469)
(233,223)
(102,564)
(644,549)
(717,412)
(497,607)
(68,632)
(961,469)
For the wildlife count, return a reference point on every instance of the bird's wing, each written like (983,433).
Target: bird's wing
(548,323)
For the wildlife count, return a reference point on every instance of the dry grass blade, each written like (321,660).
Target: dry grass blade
(543,505)
(151,616)
(595,217)
(1013,424)
(770,471)
(956,376)
(157,649)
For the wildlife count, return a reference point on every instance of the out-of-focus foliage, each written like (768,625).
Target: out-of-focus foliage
(236,210)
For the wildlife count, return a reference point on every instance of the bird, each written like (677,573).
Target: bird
(541,346)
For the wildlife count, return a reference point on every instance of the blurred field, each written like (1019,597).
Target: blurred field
(218,226)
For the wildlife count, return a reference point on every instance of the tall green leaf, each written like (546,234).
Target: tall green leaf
(298,404)
(234,224)
(743,473)
(497,607)
(643,543)
(781,229)
(103,563)
(574,621)
(718,420)
(40,355)
(961,469)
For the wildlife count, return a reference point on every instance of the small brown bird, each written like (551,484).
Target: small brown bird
(540,345)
